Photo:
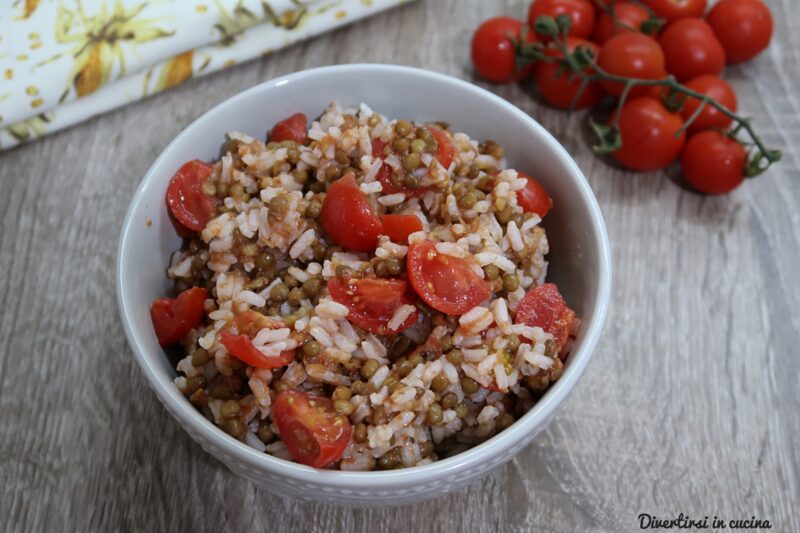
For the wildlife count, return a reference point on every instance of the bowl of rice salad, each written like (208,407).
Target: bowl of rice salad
(365,284)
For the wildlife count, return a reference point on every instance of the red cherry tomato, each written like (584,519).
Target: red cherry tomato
(399,227)
(446,283)
(185,198)
(347,217)
(709,117)
(691,49)
(556,86)
(494,53)
(677,9)
(544,307)
(744,27)
(581,13)
(173,318)
(533,198)
(239,344)
(633,55)
(445,151)
(629,19)
(373,301)
(294,128)
(648,135)
(313,432)
(713,163)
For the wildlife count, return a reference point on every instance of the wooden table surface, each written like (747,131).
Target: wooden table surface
(691,404)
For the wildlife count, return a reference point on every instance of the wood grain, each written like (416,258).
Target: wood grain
(690,405)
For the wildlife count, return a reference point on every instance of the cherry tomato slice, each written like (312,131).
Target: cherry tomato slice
(446,151)
(533,198)
(239,342)
(312,431)
(373,301)
(173,318)
(347,217)
(446,283)
(544,307)
(399,227)
(185,198)
(294,128)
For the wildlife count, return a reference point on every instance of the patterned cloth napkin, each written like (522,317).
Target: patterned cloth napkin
(63,61)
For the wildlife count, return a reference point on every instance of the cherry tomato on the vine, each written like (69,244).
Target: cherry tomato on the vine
(691,49)
(709,117)
(559,87)
(676,9)
(580,12)
(629,19)
(493,51)
(744,27)
(648,131)
(633,55)
(713,163)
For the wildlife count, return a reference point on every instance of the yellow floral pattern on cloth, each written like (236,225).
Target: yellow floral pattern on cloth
(64,61)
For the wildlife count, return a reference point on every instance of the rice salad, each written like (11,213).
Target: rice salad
(361,293)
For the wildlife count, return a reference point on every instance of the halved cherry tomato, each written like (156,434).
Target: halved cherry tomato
(713,163)
(632,55)
(494,54)
(446,151)
(446,283)
(347,217)
(648,131)
(373,301)
(173,318)
(744,27)
(544,307)
(187,202)
(399,227)
(559,88)
(677,9)
(240,345)
(691,49)
(580,12)
(709,117)
(294,128)
(533,198)
(313,432)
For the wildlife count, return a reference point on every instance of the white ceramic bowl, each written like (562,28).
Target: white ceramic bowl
(579,261)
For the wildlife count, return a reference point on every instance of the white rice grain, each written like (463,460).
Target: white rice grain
(400,315)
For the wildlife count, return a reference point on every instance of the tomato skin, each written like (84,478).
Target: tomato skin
(372,301)
(533,198)
(314,434)
(347,217)
(399,227)
(581,13)
(544,307)
(173,318)
(493,53)
(648,135)
(709,117)
(185,198)
(558,89)
(671,10)
(446,283)
(633,55)
(239,342)
(691,49)
(713,163)
(293,128)
(629,16)
(744,27)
